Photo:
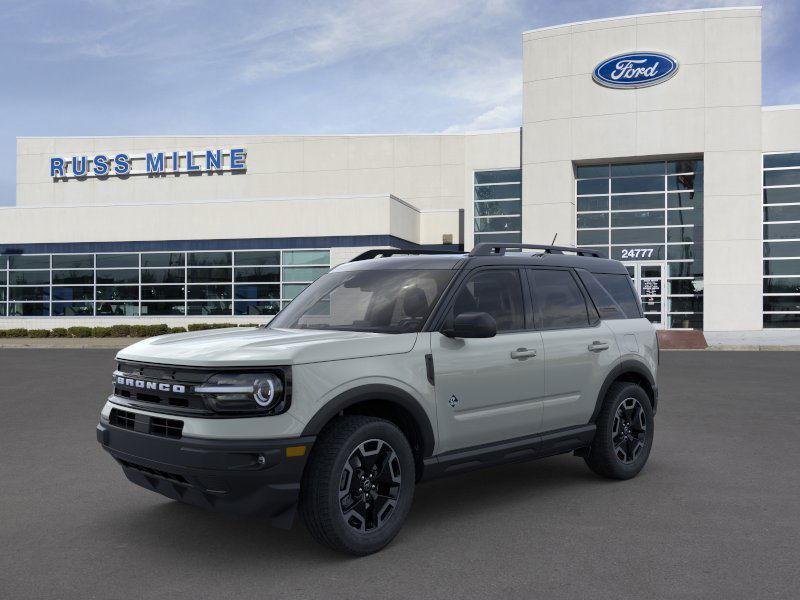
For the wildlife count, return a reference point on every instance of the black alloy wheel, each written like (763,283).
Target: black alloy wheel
(370,485)
(629,433)
(358,485)
(624,435)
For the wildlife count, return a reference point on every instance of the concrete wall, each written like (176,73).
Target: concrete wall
(432,173)
(236,219)
(780,128)
(711,107)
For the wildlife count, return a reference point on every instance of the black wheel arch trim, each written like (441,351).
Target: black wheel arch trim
(375,392)
(623,368)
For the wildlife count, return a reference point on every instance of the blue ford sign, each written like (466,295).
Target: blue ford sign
(635,70)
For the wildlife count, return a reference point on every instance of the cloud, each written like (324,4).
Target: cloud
(336,33)
(497,117)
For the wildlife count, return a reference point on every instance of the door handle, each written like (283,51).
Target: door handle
(598,346)
(522,353)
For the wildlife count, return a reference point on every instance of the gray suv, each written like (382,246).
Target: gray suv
(399,366)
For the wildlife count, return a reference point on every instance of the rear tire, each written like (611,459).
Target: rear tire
(358,486)
(624,434)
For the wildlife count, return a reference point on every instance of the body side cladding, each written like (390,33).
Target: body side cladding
(375,393)
(628,370)
(530,447)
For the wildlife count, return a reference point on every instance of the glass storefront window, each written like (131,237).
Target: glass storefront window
(73,309)
(257,291)
(209,259)
(208,292)
(117,261)
(163,259)
(649,212)
(497,206)
(208,308)
(29,277)
(29,293)
(28,309)
(117,292)
(40,261)
(67,277)
(781,247)
(73,261)
(212,275)
(163,276)
(85,292)
(130,284)
(255,308)
(266,258)
(303,274)
(304,257)
(117,276)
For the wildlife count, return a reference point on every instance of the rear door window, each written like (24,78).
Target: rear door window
(558,301)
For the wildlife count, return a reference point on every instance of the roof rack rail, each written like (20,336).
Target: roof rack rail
(488,249)
(384,252)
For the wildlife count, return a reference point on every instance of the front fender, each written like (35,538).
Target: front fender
(374,391)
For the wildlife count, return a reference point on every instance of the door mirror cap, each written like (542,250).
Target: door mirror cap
(472,325)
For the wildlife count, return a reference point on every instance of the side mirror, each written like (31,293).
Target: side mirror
(472,325)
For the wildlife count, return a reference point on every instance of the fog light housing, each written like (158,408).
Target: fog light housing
(245,393)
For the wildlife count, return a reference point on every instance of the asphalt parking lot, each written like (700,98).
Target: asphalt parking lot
(713,515)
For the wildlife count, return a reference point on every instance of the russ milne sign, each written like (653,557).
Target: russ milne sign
(635,70)
(151,163)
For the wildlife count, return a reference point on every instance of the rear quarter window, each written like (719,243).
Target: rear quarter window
(612,294)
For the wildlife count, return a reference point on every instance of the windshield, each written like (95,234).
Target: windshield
(381,301)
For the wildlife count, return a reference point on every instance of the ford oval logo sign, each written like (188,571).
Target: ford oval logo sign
(635,70)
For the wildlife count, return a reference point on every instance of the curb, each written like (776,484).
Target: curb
(754,348)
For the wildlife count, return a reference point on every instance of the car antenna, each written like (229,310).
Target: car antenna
(553,243)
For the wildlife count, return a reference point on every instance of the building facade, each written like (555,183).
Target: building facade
(643,137)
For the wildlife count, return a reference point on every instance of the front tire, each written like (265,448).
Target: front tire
(358,486)
(624,434)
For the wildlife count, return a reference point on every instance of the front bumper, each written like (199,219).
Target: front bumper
(247,477)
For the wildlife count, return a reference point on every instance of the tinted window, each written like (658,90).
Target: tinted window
(496,292)
(497,176)
(620,289)
(163,259)
(606,305)
(306,257)
(73,261)
(558,300)
(111,261)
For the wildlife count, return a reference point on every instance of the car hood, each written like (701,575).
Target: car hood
(243,346)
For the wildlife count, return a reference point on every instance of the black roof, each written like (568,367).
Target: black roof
(440,260)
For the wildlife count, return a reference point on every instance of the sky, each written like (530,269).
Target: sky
(162,67)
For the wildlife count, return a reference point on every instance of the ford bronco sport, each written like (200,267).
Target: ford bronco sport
(398,366)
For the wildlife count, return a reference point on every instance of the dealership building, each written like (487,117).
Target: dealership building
(643,137)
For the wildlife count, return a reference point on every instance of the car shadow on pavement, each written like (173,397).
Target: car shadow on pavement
(172,528)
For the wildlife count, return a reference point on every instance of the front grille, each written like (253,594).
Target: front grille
(122,418)
(168,387)
(157,472)
(171,428)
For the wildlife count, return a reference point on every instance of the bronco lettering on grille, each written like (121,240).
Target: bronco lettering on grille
(155,386)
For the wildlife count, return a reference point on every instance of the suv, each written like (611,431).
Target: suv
(388,370)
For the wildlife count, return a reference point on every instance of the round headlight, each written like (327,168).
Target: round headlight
(267,391)
(244,393)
